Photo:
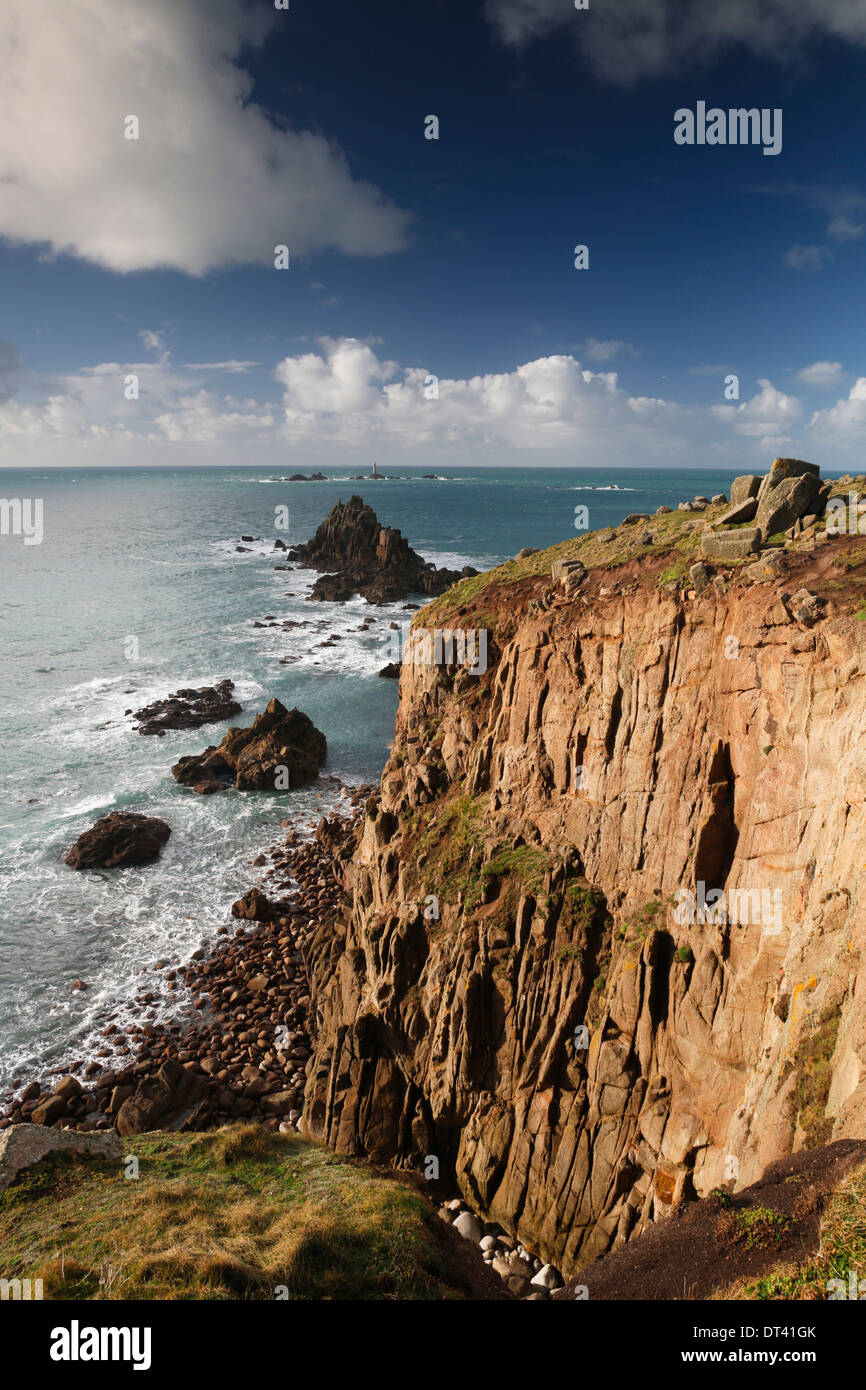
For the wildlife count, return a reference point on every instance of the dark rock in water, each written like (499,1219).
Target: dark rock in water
(167,1100)
(360,556)
(189,709)
(280,544)
(391,671)
(302,478)
(244,549)
(250,759)
(121,838)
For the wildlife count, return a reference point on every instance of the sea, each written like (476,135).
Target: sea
(138,588)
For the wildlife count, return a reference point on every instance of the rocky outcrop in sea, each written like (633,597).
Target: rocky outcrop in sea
(360,556)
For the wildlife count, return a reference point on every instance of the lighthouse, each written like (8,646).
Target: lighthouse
(373,473)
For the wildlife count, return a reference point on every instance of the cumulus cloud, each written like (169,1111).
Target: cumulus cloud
(211,181)
(632,39)
(768,414)
(846,418)
(822,374)
(347,392)
(347,398)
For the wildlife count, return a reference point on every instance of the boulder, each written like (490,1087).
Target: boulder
(468,1227)
(250,758)
(167,1100)
(117,840)
(744,487)
(255,907)
(740,512)
(780,469)
(547,1278)
(730,545)
(568,572)
(781,506)
(22,1146)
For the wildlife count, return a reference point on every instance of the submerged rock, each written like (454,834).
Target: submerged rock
(119,839)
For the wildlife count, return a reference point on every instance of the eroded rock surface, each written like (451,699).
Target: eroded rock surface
(363,557)
(117,840)
(525,875)
(281,749)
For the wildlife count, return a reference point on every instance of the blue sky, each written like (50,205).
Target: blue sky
(412,258)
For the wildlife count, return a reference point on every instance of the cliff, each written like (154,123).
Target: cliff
(652,731)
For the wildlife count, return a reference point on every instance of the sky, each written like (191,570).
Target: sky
(155,154)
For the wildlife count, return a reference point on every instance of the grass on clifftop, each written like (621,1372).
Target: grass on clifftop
(233,1214)
(842,1251)
(606,548)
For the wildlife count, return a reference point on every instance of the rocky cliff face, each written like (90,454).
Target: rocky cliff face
(524,987)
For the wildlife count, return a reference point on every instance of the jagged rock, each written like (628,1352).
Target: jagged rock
(251,758)
(363,557)
(547,1278)
(632,518)
(780,506)
(700,577)
(730,545)
(782,469)
(391,671)
(568,572)
(744,488)
(742,511)
(167,1100)
(807,608)
(117,840)
(189,709)
(22,1146)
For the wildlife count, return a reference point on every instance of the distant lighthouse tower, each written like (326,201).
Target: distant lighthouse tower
(373,473)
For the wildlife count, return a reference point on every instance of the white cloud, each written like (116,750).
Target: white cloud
(603,349)
(233,366)
(210,182)
(821,374)
(847,418)
(634,39)
(345,399)
(807,257)
(770,412)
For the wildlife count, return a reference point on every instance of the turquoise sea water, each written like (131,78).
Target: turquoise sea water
(149,555)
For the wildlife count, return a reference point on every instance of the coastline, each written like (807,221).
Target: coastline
(228,1058)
